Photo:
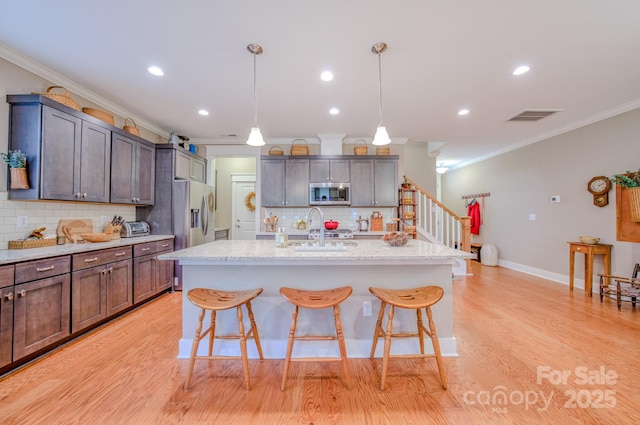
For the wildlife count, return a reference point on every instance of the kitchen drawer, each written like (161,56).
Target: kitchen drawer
(162,246)
(98,258)
(144,249)
(6,276)
(40,269)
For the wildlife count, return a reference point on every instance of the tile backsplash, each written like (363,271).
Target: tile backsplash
(288,217)
(47,214)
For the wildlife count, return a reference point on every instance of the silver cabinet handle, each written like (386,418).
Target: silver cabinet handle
(23,293)
(45,269)
(110,269)
(78,195)
(9,296)
(145,249)
(165,245)
(103,271)
(120,254)
(84,195)
(91,260)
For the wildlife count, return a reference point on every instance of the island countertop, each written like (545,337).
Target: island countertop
(261,252)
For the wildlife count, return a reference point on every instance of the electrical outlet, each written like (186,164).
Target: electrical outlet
(366,308)
(532,217)
(104,220)
(23,221)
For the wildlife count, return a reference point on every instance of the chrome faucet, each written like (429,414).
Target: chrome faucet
(321,222)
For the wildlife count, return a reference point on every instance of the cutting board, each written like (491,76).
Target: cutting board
(74,226)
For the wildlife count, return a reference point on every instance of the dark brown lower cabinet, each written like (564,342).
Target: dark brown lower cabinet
(6,314)
(100,292)
(40,314)
(101,286)
(151,276)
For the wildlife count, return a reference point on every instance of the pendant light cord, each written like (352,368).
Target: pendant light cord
(380,88)
(255,94)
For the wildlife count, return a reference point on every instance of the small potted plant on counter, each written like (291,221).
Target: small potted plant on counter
(631,182)
(17,162)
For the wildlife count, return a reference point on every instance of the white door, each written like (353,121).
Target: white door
(244,200)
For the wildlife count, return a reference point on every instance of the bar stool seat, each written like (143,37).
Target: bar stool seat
(415,299)
(316,300)
(214,300)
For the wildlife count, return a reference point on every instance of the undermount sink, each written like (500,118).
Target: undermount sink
(304,246)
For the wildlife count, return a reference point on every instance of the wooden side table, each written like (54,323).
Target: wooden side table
(589,251)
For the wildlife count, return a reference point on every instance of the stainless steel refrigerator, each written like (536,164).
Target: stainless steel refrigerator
(185,209)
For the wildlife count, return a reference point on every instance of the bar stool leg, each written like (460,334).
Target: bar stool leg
(292,332)
(194,350)
(387,347)
(243,348)
(254,330)
(420,330)
(378,332)
(212,329)
(436,348)
(343,348)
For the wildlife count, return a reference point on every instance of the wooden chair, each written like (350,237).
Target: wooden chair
(216,300)
(625,286)
(417,299)
(316,300)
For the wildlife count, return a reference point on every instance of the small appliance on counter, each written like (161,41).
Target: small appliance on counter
(131,229)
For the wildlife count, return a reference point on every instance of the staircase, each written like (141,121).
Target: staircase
(439,225)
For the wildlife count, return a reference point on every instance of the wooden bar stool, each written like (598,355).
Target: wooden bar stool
(216,300)
(316,300)
(416,298)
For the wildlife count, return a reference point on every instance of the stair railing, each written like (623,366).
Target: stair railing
(438,224)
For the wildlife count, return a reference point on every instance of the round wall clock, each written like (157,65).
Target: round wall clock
(599,187)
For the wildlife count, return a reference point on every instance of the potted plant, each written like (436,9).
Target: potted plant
(17,162)
(630,181)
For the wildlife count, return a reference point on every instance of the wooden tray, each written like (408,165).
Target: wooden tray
(31,243)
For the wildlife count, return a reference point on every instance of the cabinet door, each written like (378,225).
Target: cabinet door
(95,163)
(6,314)
(41,314)
(319,171)
(362,191)
(297,183)
(386,183)
(61,134)
(88,297)
(145,174)
(339,171)
(199,170)
(143,278)
(164,275)
(273,183)
(183,166)
(123,168)
(119,286)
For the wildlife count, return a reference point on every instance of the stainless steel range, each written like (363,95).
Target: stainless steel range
(333,234)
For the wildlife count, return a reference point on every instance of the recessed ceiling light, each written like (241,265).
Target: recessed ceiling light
(462,112)
(334,111)
(326,76)
(523,69)
(203,112)
(156,71)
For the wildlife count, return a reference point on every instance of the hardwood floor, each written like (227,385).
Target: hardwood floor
(509,326)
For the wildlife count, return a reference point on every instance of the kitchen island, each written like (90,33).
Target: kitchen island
(241,265)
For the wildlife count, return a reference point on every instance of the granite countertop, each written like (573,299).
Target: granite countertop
(8,256)
(264,251)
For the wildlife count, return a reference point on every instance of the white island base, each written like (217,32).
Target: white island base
(241,265)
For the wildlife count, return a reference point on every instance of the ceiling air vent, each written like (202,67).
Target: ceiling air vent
(534,114)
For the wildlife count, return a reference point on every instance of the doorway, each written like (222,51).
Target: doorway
(243,214)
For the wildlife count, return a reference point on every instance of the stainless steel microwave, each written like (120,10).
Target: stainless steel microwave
(329,194)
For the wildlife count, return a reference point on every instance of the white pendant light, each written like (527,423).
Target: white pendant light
(381,137)
(255,137)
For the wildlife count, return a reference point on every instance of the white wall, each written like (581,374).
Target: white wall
(522,182)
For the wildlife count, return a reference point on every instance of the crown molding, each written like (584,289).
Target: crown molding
(48,74)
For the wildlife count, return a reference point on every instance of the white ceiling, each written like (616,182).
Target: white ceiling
(443,55)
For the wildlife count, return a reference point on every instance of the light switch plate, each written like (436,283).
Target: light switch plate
(366,308)
(532,217)
(555,199)
(23,221)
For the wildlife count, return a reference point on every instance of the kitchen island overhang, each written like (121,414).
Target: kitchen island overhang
(240,265)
